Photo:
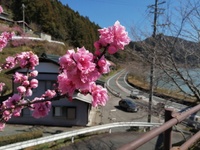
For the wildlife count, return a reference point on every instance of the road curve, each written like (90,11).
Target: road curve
(119,84)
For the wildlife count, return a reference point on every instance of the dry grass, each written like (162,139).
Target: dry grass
(142,84)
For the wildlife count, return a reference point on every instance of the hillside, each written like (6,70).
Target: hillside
(182,50)
(56,19)
(60,21)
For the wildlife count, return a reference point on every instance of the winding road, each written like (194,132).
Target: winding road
(118,84)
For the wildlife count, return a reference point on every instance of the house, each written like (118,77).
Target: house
(63,112)
(5,19)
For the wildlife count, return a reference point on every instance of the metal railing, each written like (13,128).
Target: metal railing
(72,134)
(166,128)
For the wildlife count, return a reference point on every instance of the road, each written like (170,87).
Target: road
(119,80)
(118,84)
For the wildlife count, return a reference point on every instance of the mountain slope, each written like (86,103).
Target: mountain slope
(52,17)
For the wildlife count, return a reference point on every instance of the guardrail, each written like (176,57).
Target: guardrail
(166,128)
(115,93)
(36,39)
(72,134)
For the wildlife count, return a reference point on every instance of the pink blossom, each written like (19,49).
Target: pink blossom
(68,63)
(115,37)
(84,60)
(104,65)
(7,115)
(34,83)
(2,126)
(65,85)
(11,102)
(86,79)
(1,9)
(27,60)
(87,71)
(19,77)
(34,73)
(79,69)
(40,109)
(29,92)
(1,86)
(7,35)
(10,63)
(106,36)
(49,94)
(21,89)
(4,38)
(97,45)
(99,94)
(25,83)
(112,49)
(120,36)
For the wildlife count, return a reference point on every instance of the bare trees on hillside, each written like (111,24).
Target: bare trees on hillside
(177,53)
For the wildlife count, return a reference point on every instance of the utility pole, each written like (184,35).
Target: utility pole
(23,9)
(151,88)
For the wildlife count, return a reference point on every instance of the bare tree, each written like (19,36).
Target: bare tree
(177,53)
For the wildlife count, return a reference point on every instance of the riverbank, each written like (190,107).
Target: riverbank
(162,93)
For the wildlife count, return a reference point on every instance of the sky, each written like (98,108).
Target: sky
(130,13)
(105,13)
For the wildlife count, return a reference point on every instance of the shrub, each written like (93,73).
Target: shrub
(5,140)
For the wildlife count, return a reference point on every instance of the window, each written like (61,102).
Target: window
(65,112)
(50,85)
(58,111)
(71,113)
(25,112)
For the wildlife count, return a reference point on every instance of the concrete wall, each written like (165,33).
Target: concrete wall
(45,36)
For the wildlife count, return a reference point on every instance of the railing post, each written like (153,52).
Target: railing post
(72,139)
(168,132)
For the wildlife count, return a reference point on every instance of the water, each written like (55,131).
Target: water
(191,76)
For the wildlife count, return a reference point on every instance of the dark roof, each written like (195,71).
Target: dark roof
(43,58)
(54,59)
(49,57)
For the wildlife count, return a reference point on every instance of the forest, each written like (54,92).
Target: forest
(56,19)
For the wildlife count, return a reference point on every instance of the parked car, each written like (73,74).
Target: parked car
(134,94)
(128,105)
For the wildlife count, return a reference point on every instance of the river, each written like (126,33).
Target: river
(191,75)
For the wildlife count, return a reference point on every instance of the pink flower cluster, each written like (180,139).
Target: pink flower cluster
(4,38)
(25,60)
(26,86)
(40,109)
(10,108)
(99,94)
(114,37)
(1,86)
(79,71)
(1,9)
